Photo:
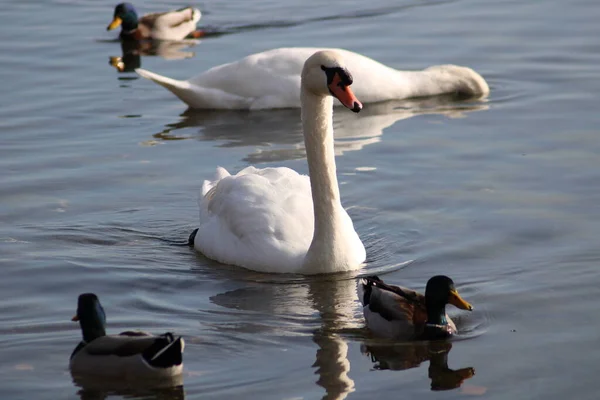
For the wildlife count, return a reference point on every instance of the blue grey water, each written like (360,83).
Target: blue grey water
(100,174)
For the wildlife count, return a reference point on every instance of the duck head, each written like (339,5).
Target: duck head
(124,16)
(440,291)
(91,317)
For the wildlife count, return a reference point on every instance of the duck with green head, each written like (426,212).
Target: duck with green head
(130,354)
(170,25)
(400,313)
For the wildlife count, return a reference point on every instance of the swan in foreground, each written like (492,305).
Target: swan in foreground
(264,219)
(131,354)
(271,79)
(396,312)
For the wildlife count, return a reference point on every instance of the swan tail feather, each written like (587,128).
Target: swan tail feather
(207,185)
(160,79)
(197,96)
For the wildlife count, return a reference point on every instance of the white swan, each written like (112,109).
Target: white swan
(271,79)
(264,219)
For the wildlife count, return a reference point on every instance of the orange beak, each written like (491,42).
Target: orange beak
(75,318)
(344,94)
(116,22)
(458,301)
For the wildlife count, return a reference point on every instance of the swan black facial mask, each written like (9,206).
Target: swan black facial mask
(338,82)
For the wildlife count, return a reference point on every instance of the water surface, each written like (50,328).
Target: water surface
(101,173)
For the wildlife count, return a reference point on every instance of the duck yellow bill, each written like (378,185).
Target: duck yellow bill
(344,94)
(114,24)
(458,301)
(75,318)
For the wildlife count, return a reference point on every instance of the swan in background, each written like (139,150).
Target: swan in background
(276,220)
(271,79)
(170,25)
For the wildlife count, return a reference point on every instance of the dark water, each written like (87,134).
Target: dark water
(101,172)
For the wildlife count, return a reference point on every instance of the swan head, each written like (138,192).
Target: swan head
(325,74)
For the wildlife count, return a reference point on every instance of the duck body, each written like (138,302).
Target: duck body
(276,220)
(131,354)
(171,25)
(396,312)
(271,79)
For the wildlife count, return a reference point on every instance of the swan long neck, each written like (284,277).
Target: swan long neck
(406,84)
(317,124)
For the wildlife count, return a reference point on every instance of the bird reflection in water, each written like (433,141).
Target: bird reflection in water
(276,135)
(133,50)
(404,356)
(100,389)
(333,299)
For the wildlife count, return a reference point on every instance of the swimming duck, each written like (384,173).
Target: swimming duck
(399,313)
(271,79)
(170,25)
(130,354)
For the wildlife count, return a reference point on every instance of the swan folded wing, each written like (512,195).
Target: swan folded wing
(265,81)
(257,214)
(207,185)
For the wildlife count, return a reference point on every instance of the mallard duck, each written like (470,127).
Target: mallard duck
(170,25)
(271,79)
(397,312)
(129,354)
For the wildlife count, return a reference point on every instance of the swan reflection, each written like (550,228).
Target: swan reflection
(402,356)
(334,300)
(102,388)
(278,133)
(133,50)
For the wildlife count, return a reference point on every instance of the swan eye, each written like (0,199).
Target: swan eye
(344,75)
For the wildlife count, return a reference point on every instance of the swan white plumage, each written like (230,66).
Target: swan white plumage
(276,220)
(271,79)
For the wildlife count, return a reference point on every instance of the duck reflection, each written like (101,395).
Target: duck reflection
(278,133)
(100,389)
(133,50)
(334,298)
(404,356)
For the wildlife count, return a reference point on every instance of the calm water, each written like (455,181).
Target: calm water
(101,172)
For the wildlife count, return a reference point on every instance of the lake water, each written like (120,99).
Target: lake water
(101,173)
